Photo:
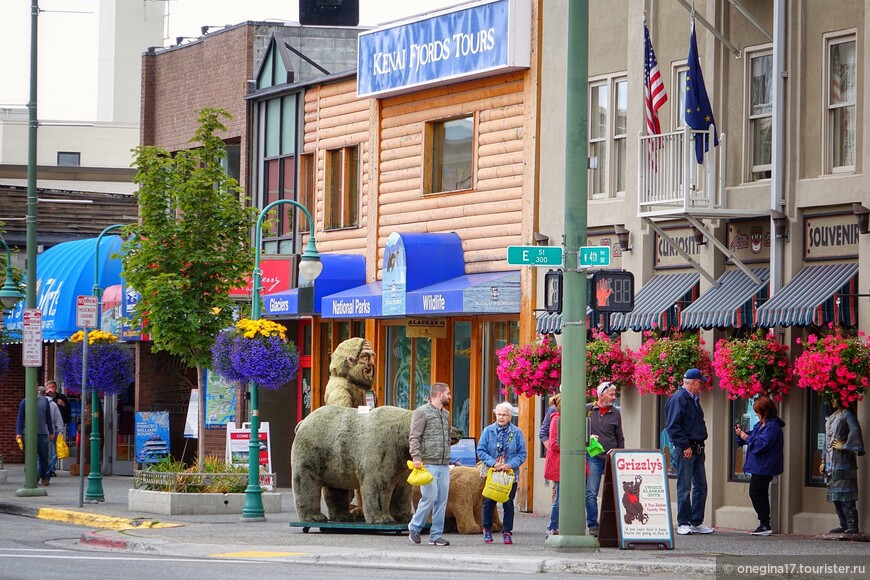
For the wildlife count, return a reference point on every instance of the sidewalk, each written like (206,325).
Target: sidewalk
(120,529)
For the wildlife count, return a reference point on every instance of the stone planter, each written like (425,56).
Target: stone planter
(178,504)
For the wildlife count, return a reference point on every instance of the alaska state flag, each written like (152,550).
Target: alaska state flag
(699,113)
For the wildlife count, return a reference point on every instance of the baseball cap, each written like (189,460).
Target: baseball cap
(695,374)
(604,386)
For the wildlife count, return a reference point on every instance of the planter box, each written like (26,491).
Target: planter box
(180,504)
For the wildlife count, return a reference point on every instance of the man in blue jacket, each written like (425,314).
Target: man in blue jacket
(688,432)
(44,434)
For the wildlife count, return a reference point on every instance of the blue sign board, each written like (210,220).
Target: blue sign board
(152,436)
(473,42)
(493,292)
(360,302)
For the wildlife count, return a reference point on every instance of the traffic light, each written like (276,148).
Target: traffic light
(329,12)
(612,291)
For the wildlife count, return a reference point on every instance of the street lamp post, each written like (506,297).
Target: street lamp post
(30,373)
(10,295)
(95,477)
(310,267)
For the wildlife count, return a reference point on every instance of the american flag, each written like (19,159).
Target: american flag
(653,87)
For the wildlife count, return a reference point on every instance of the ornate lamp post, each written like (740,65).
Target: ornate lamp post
(95,478)
(310,267)
(9,294)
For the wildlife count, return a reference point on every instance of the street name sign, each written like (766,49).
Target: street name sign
(594,256)
(86,311)
(31,353)
(541,256)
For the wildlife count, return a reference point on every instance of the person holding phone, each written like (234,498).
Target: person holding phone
(764,445)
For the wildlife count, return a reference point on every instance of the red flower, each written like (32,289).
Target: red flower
(661,362)
(757,365)
(531,369)
(835,366)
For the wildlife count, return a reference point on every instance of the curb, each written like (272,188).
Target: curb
(97,520)
(19,509)
(95,540)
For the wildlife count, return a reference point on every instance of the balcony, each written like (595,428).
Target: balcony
(672,184)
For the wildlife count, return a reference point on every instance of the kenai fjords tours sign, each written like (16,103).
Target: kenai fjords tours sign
(466,43)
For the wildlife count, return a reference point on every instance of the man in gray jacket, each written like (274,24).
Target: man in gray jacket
(429,441)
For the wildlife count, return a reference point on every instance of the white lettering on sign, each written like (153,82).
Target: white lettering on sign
(348,307)
(279,305)
(460,44)
(434,302)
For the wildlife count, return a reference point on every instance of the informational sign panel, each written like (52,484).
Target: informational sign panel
(191,422)
(594,256)
(31,352)
(635,501)
(238,450)
(220,401)
(152,436)
(540,256)
(86,312)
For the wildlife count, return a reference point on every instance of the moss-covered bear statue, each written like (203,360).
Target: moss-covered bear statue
(351,373)
(338,449)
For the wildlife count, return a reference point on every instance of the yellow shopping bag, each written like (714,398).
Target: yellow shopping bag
(62,447)
(498,485)
(419,476)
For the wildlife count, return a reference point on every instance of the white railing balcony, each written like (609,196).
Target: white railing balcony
(671,181)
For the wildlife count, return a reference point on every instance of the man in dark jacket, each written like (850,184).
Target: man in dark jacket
(44,435)
(688,432)
(429,442)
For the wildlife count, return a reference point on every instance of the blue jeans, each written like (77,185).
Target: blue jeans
(593,483)
(43,469)
(554,511)
(433,496)
(691,483)
(507,523)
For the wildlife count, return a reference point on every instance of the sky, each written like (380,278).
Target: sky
(67,48)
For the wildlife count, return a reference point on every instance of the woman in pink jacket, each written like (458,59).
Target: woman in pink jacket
(551,465)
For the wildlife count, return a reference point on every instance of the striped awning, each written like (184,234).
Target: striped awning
(731,304)
(653,304)
(811,297)
(551,323)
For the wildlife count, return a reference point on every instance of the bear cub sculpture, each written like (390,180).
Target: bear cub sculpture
(465,502)
(338,450)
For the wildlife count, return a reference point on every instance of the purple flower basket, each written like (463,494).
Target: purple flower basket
(110,367)
(269,361)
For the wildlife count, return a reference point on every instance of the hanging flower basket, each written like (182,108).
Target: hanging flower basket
(111,365)
(753,366)
(255,350)
(531,369)
(661,362)
(606,360)
(835,366)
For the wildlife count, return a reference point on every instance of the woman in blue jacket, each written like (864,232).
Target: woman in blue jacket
(502,447)
(763,459)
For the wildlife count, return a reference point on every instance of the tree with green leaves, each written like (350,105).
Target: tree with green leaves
(191,246)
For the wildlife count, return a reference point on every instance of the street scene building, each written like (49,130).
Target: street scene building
(422,160)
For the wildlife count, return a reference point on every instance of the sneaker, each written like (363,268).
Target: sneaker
(593,532)
(684,530)
(487,536)
(439,542)
(552,532)
(702,529)
(508,539)
(414,536)
(762,530)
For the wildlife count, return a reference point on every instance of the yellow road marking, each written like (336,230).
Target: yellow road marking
(99,521)
(255,554)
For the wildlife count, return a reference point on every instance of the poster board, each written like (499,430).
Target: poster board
(191,422)
(152,436)
(238,450)
(464,452)
(220,401)
(636,508)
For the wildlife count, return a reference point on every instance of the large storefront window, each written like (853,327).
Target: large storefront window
(664,442)
(742,414)
(496,335)
(408,369)
(461,375)
(818,411)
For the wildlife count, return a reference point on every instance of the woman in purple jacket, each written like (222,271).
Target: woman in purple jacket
(763,459)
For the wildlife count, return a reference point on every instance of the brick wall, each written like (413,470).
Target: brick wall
(11,393)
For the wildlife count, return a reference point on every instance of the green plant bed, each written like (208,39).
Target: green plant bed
(217,476)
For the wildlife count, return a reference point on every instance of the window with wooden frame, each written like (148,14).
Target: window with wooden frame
(759,118)
(307,185)
(342,188)
(841,74)
(449,159)
(608,115)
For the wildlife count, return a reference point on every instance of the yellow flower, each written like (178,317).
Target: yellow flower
(251,328)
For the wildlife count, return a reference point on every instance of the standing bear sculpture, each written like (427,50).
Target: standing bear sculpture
(338,449)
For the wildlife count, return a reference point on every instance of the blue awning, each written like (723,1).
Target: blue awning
(65,272)
(489,293)
(652,305)
(811,297)
(729,305)
(340,272)
(359,302)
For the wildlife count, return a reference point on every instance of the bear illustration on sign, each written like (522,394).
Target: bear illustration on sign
(631,501)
